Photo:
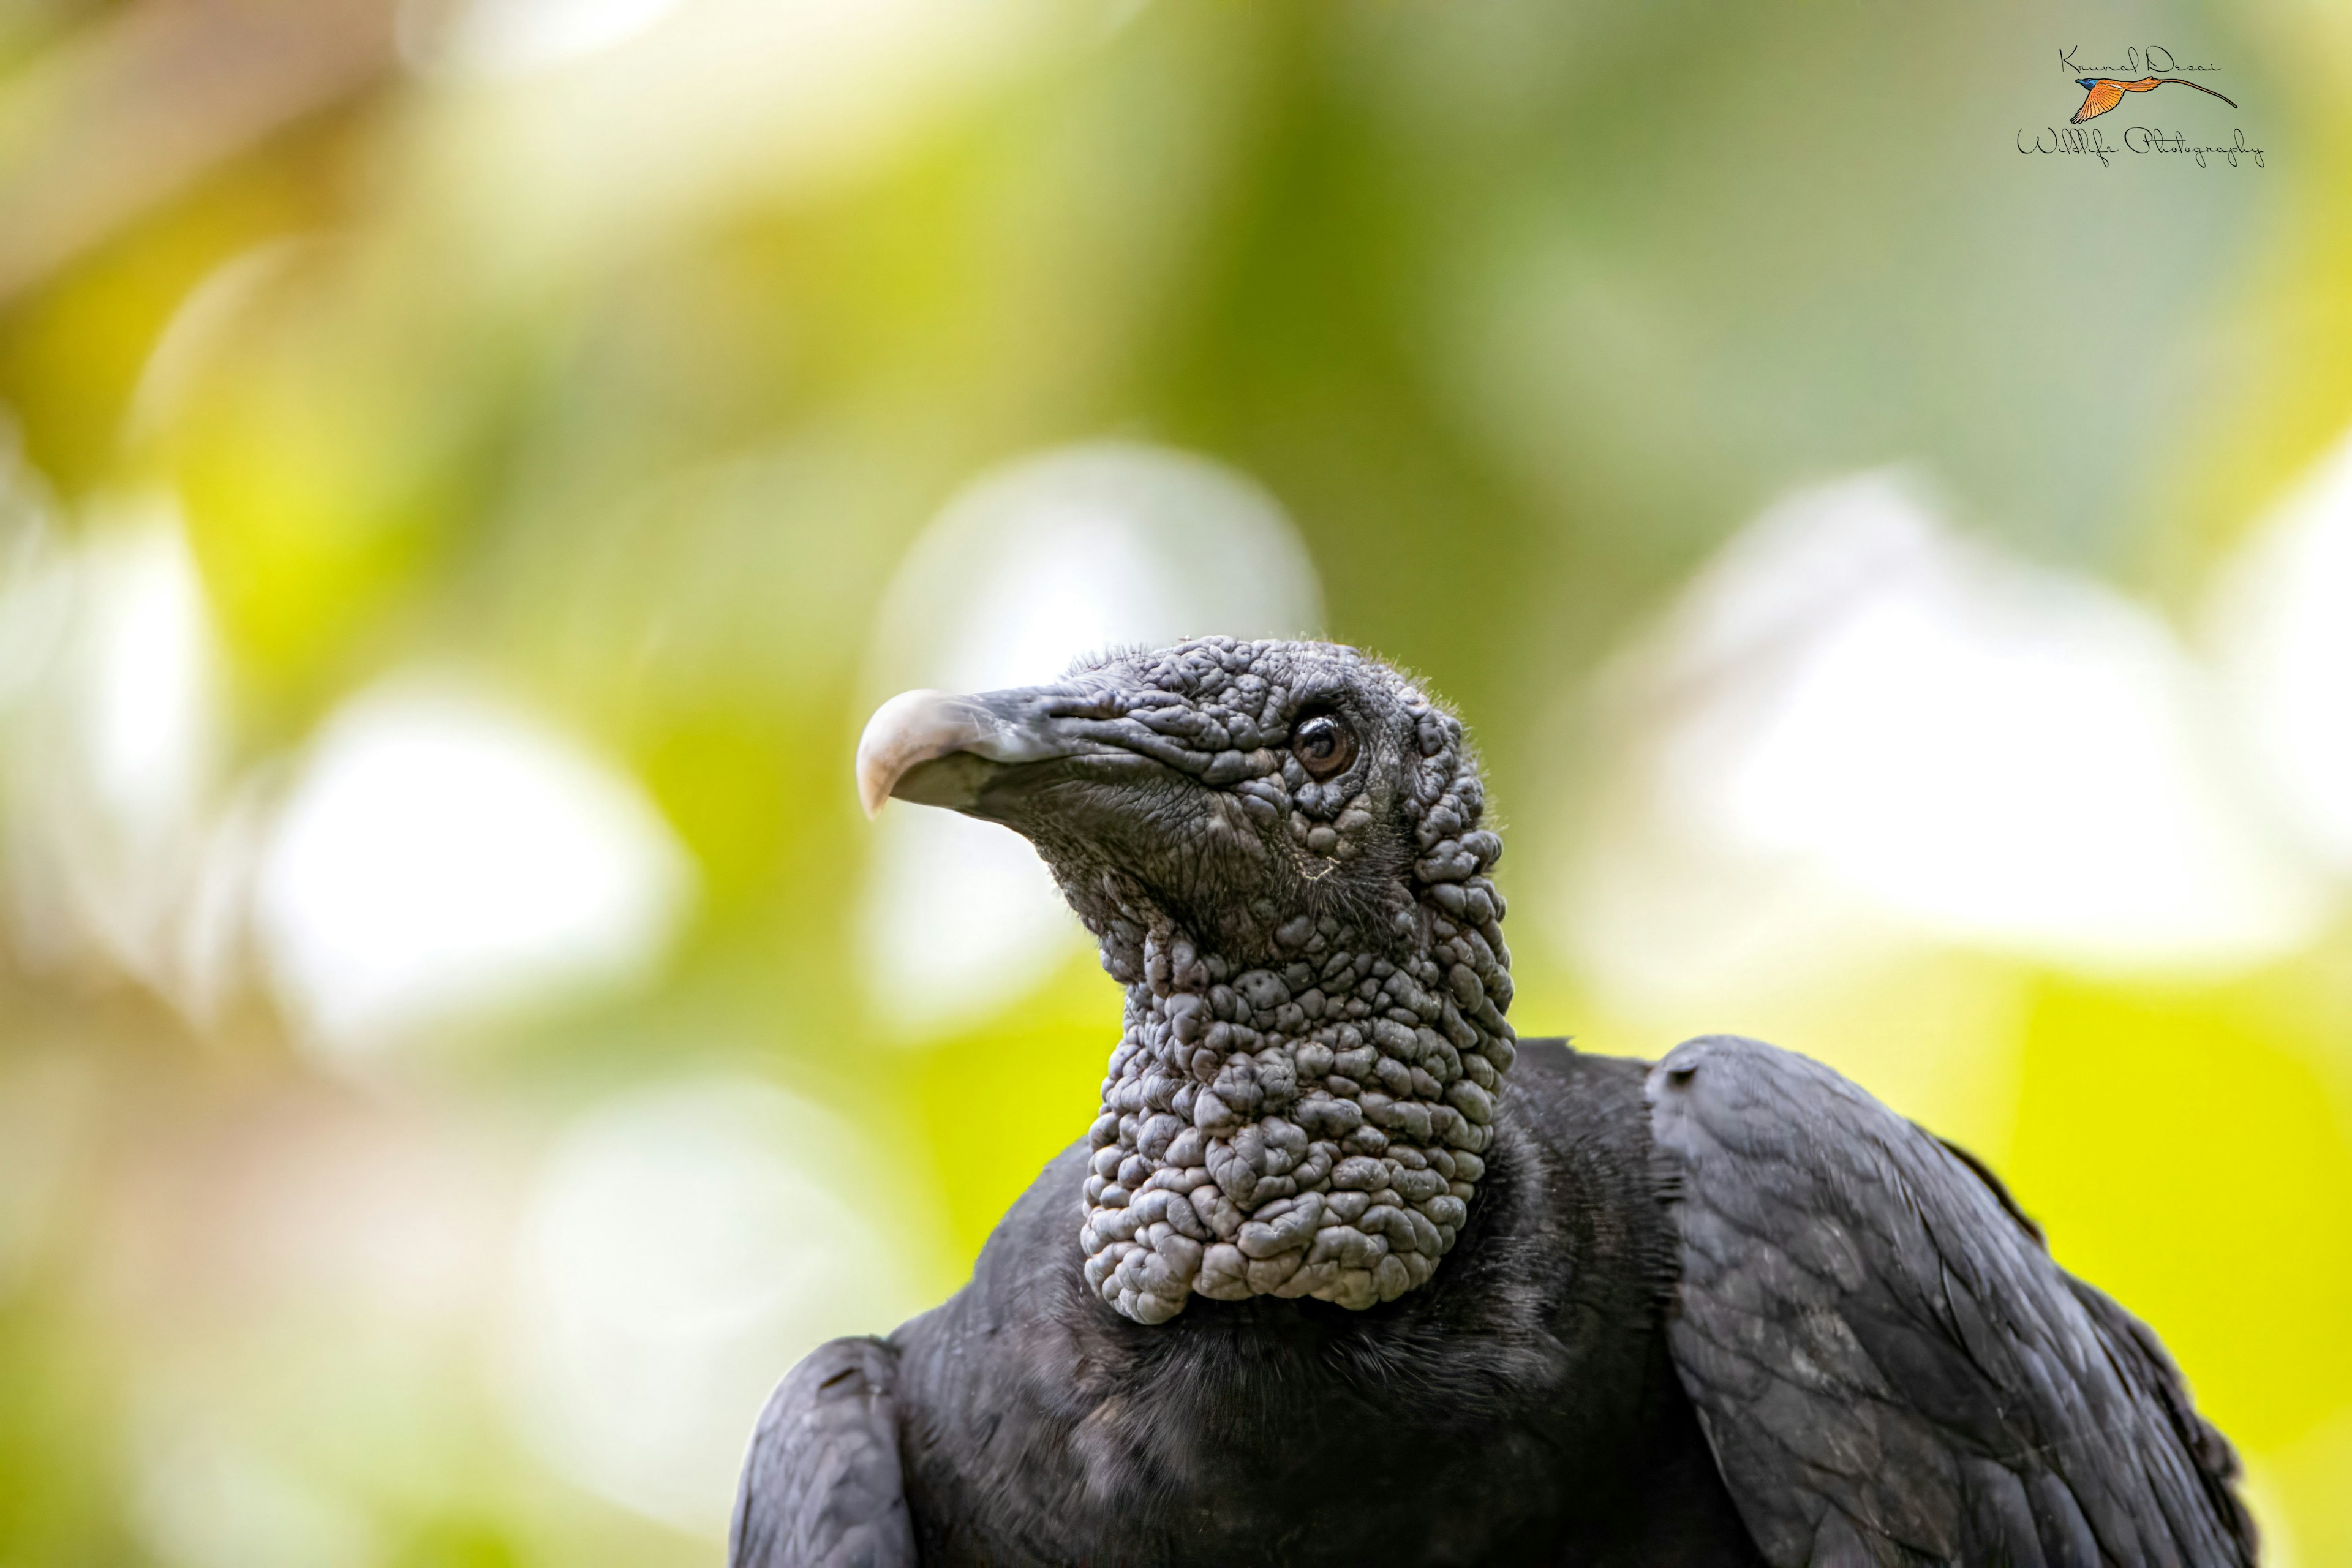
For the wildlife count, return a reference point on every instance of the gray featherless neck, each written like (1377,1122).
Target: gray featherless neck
(1311,1127)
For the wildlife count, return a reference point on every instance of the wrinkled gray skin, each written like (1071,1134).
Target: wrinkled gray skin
(1302,1093)
(1719,1311)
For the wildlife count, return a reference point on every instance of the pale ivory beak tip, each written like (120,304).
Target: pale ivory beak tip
(896,739)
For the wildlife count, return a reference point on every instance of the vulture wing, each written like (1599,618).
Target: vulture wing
(1889,1365)
(821,1487)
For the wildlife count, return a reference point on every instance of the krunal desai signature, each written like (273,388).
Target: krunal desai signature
(2155,58)
(2101,93)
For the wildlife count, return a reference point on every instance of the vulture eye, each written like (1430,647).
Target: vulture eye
(1323,746)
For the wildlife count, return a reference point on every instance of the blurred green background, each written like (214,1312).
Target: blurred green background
(468,469)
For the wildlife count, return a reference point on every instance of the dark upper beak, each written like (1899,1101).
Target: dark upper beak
(1066,768)
(936,749)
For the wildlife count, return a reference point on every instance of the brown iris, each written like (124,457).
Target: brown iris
(1323,745)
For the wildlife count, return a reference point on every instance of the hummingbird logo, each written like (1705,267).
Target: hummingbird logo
(2101,93)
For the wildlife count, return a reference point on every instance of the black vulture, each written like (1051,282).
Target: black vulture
(1345,1273)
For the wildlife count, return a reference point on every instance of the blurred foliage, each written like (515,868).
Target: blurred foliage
(621,379)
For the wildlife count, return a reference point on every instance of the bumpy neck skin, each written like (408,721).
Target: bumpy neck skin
(1311,1126)
(1279,844)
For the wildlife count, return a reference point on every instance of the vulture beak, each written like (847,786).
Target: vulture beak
(935,749)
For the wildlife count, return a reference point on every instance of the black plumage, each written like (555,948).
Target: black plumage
(1345,1274)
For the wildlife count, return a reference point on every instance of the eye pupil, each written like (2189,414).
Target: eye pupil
(1323,746)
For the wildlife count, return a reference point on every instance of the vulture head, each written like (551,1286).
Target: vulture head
(1278,846)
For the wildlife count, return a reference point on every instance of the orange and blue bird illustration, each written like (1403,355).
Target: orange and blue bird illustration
(2101,93)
